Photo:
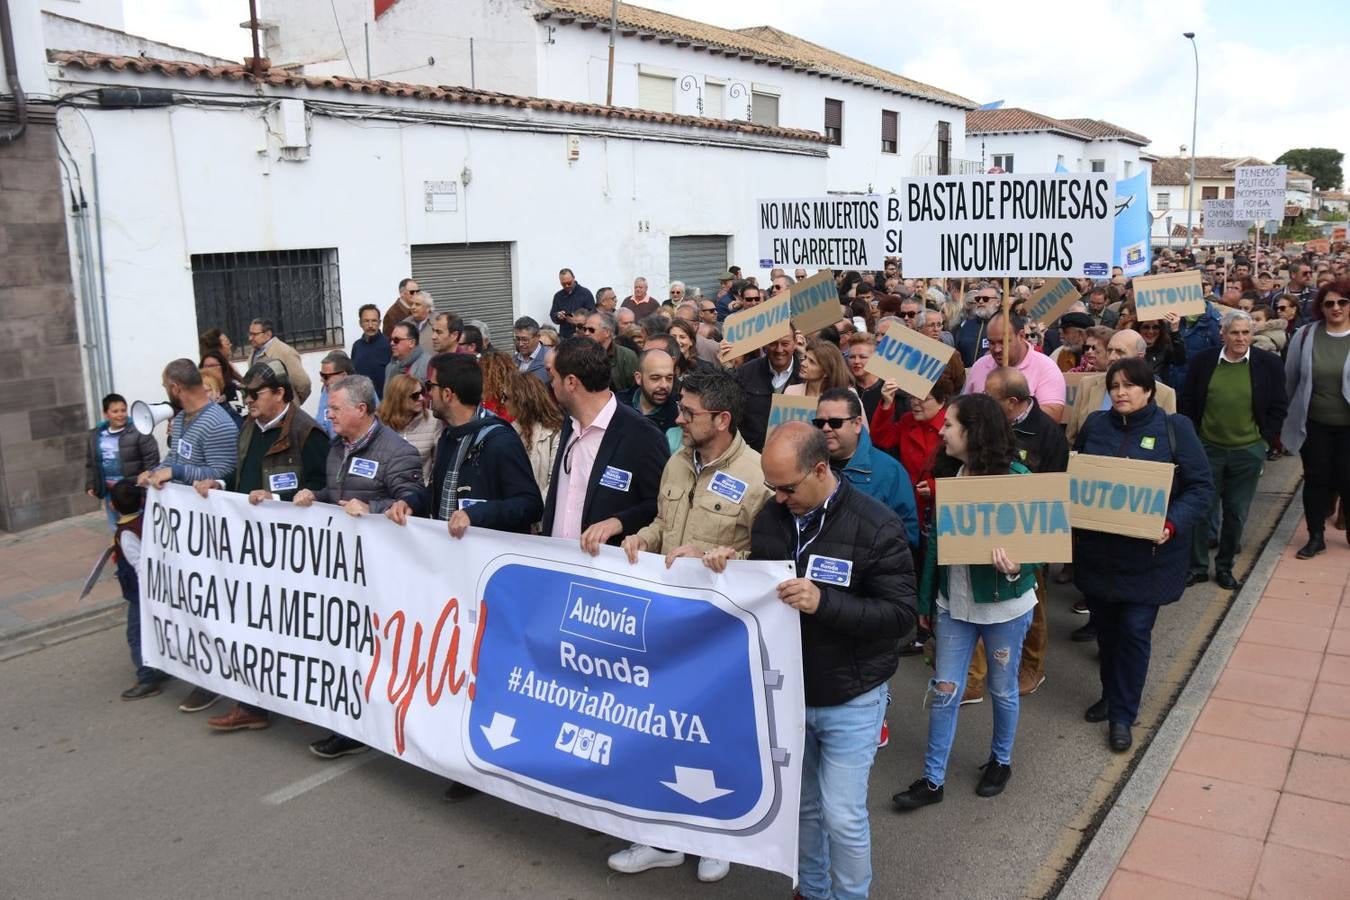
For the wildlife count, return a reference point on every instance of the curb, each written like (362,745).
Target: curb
(1099,861)
(96,617)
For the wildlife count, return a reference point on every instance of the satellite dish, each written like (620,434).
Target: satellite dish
(146,416)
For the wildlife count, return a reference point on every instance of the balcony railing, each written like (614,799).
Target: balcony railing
(928,165)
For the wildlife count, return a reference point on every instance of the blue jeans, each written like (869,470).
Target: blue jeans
(955,645)
(834,856)
(110,513)
(131,592)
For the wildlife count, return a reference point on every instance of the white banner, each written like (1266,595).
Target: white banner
(839,232)
(1259,193)
(1220,224)
(660,706)
(1013,225)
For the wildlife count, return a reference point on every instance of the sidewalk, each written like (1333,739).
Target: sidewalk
(45,569)
(1257,801)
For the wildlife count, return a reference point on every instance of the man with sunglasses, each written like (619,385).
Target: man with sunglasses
(1300,291)
(972,337)
(281,451)
(408,356)
(839,416)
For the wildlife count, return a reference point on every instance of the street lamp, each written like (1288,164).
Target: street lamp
(1195,112)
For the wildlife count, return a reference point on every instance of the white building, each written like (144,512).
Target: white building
(1019,140)
(1298,190)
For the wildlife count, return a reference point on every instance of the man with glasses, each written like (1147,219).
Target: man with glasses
(856,597)
(607,301)
(571,304)
(972,338)
(1299,290)
(281,451)
(529,354)
(910,310)
(266,345)
(623,363)
(930,323)
(402,307)
(839,416)
(371,352)
(408,356)
(713,489)
(334,367)
(608,468)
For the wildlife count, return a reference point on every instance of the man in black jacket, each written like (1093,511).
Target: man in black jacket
(1237,401)
(607,472)
(856,596)
(760,379)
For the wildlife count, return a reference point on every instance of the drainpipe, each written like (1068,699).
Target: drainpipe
(11,133)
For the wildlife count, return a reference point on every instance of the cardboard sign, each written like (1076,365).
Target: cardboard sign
(750,329)
(1119,496)
(1157,295)
(1321,245)
(1220,224)
(1338,234)
(1258,193)
(1052,300)
(839,232)
(910,358)
(815,302)
(1072,382)
(1010,225)
(790,408)
(1026,515)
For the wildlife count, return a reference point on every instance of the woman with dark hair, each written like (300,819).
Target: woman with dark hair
(212,340)
(686,335)
(914,433)
(1165,348)
(231,394)
(1129,578)
(1317,380)
(992,603)
(822,368)
(538,421)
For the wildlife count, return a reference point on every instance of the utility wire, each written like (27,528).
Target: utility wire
(332,4)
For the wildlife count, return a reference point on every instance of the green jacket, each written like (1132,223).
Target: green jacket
(987,584)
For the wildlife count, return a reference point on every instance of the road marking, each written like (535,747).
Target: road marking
(333,770)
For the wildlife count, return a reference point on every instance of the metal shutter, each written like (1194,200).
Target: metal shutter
(713,96)
(472,281)
(697,260)
(764,109)
(657,93)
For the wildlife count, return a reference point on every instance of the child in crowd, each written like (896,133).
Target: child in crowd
(128,502)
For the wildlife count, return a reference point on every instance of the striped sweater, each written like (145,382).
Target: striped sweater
(208,448)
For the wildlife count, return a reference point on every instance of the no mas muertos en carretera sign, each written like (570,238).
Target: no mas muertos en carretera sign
(662,706)
(838,232)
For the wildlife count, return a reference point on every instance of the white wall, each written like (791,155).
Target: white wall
(107,13)
(1033,153)
(1176,198)
(63,34)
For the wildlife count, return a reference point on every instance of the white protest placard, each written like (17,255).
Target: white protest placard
(654,704)
(1026,515)
(910,358)
(1258,193)
(1119,496)
(815,302)
(1220,224)
(837,232)
(1013,225)
(752,328)
(1157,295)
(1052,300)
(784,408)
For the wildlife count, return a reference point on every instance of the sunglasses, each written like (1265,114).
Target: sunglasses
(588,329)
(415,395)
(835,422)
(1283,307)
(788,489)
(707,309)
(909,315)
(1334,302)
(252,393)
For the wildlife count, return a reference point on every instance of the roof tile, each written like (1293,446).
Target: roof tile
(1013,119)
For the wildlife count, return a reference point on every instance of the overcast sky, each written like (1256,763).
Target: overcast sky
(1272,76)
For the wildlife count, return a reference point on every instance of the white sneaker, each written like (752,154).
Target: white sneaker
(640,858)
(710,869)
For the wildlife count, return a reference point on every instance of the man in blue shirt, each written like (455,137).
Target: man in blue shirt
(571,305)
(371,352)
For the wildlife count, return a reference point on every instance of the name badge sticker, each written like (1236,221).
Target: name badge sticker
(1148,442)
(616,479)
(829,570)
(283,481)
(365,468)
(466,502)
(724,485)
(184,449)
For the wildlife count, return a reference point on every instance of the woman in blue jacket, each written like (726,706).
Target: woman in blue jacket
(1129,578)
(992,603)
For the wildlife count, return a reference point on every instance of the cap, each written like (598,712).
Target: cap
(726,276)
(270,373)
(1075,320)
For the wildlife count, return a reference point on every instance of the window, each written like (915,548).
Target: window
(713,93)
(944,159)
(1098,165)
(1059,161)
(1164,201)
(1004,161)
(834,121)
(296,289)
(1128,168)
(656,92)
(890,131)
(764,109)
(1209,193)
(1229,192)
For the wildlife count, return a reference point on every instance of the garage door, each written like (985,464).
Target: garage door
(697,260)
(472,281)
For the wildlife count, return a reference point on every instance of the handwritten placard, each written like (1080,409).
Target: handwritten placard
(910,358)
(1119,496)
(750,329)
(1157,295)
(790,408)
(815,302)
(1052,300)
(1026,515)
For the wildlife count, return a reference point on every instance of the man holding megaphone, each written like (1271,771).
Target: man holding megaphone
(203,441)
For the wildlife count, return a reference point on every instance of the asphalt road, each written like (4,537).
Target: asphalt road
(101,798)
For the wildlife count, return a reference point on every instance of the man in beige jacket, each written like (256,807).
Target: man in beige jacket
(266,345)
(1092,389)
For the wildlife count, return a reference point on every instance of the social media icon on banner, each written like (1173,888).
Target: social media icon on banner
(567,737)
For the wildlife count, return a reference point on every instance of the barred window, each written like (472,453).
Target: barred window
(296,289)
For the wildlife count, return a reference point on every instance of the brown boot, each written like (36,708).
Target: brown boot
(973,694)
(1028,682)
(238,719)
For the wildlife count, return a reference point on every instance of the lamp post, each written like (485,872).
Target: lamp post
(1195,112)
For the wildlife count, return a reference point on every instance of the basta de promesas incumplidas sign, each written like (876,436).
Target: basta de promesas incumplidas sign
(659,705)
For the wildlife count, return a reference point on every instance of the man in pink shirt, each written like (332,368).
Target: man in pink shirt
(1042,374)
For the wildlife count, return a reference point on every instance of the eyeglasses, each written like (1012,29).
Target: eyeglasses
(835,422)
(254,334)
(400,340)
(691,413)
(788,489)
(707,309)
(1335,302)
(567,454)
(909,315)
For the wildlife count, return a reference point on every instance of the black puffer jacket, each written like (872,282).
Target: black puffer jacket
(137,452)
(852,642)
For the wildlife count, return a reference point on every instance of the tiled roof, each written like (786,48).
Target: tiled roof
(759,43)
(1012,120)
(1296,175)
(1101,130)
(1177,169)
(1171,170)
(444,93)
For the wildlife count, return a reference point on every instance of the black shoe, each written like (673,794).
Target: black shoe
(1082,635)
(335,745)
(1214,543)
(1316,544)
(1226,581)
(994,779)
(917,795)
(1272,454)
(198,700)
(1118,737)
(1096,712)
(457,792)
(911,648)
(142,689)
(1196,578)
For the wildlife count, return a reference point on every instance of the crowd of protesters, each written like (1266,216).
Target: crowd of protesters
(626,423)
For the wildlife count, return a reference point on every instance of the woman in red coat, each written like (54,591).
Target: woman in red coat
(913,435)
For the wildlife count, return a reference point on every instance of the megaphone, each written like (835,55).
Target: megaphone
(145,416)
